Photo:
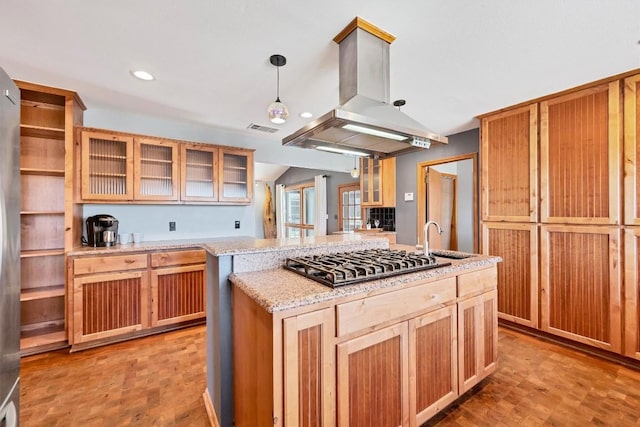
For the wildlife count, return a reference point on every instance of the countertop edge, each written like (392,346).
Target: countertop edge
(278,290)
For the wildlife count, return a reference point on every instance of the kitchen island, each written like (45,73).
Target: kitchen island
(250,256)
(392,351)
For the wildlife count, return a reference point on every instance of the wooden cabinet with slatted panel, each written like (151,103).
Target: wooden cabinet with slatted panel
(580,156)
(48,219)
(396,351)
(123,296)
(178,292)
(580,284)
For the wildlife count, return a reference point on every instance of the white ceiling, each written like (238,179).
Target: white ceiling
(451,61)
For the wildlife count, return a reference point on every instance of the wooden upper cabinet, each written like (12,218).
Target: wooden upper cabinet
(155,169)
(235,176)
(632,150)
(198,166)
(510,165)
(119,167)
(107,166)
(378,182)
(580,162)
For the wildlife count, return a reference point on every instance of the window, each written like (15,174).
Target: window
(300,210)
(349,207)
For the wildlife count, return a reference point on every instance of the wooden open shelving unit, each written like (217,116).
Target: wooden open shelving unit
(48,218)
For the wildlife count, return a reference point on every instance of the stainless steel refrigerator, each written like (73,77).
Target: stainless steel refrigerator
(9,251)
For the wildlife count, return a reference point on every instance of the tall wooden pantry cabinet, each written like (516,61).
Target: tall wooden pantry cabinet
(552,207)
(49,218)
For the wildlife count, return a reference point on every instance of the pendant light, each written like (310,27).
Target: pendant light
(278,112)
(355,172)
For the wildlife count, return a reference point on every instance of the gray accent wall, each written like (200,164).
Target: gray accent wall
(299,175)
(407,179)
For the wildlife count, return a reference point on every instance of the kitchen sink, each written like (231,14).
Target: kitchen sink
(450,255)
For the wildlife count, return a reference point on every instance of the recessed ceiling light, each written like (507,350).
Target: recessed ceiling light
(143,75)
(306,115)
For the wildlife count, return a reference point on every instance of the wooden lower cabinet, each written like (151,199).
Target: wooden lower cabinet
(309,369)
(478,339)
(178,291)
(385,359)
(120,296)
(581,287)
(433,368)
(517,245)
(373,373)
(109,304)
(631,293)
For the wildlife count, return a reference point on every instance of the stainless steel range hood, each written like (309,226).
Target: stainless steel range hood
(365,123)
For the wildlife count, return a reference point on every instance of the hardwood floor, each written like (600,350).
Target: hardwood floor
(159,380)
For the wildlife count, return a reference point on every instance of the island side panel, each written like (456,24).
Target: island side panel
(220,338)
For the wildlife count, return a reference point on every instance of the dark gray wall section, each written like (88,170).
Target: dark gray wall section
(407,176)
(299,175)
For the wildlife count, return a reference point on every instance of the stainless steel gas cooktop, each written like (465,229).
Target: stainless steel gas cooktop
(346,268)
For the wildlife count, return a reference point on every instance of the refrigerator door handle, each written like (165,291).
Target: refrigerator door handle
(10,97)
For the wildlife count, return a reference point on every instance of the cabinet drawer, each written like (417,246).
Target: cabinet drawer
(368,312)
(109,263)
(477,282)
(163,259)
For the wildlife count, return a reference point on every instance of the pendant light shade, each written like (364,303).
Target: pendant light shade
(355,172)
(278,112)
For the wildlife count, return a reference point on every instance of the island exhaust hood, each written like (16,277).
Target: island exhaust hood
(365,123)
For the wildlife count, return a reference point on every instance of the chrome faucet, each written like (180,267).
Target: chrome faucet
(426,235)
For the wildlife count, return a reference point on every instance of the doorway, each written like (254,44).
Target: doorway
(451,200)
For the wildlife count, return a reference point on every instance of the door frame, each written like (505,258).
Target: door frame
(422,189)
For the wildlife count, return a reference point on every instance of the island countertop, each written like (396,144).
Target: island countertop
(219,246)
(279,289)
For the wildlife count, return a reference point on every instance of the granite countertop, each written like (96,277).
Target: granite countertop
(279,289)
(230,245)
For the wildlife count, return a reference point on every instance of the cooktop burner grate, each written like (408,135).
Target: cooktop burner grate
(347,268)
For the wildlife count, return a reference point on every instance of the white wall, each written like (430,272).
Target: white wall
(192,221)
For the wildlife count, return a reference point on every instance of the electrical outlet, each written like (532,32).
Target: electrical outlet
(172,226)
(237,224)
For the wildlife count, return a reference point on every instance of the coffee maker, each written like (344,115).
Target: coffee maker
(102,230)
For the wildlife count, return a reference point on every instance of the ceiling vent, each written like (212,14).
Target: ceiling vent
(261,128)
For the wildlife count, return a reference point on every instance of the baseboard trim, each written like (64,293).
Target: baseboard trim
(208,404)
(574,345)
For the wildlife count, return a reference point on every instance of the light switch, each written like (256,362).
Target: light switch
(408,197)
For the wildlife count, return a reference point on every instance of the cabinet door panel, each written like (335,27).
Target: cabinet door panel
(580,138)
(198,173)
(517,245)
(632,150)
(155,169)
(309,369)
(107,166)
(510,165)
(580,284)
(235,176)
(370,375)
(433,362)
(477,338)
(177,294)
(109,304)
(632,293)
